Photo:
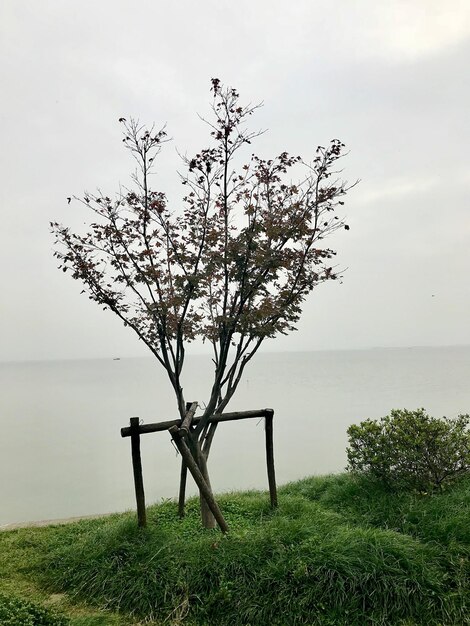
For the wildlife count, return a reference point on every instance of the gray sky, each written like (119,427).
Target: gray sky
(390,79)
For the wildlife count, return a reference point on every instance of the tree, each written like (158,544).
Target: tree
(232,266)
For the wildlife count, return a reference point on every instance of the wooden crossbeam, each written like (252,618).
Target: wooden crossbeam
(222,417)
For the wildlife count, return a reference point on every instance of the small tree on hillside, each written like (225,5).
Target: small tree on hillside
(232,266)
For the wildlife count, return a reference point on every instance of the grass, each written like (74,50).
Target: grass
(338,551)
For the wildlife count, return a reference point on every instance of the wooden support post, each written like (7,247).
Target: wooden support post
(198,477)
(268,421)
(191,408)
(183,431)
(137,467)
(182,495)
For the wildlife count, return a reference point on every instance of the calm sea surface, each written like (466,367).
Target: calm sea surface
(61,453)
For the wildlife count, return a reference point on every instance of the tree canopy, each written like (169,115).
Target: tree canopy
(231,265)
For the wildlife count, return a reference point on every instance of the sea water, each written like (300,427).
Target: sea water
(61,453)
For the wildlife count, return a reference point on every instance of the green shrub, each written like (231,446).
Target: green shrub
(410,449)
(18,612)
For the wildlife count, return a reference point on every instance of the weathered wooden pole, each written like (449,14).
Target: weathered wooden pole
(268,422)
(182,494)
(191,408)
(217,418)
(198,477)
(137,467)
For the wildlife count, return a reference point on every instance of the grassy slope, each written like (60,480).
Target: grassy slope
(337,552)
(22,553)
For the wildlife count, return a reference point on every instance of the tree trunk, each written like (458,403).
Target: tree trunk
(192,458)
(207,518)
(199,446)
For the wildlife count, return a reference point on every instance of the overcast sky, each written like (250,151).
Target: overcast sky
(390,79)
